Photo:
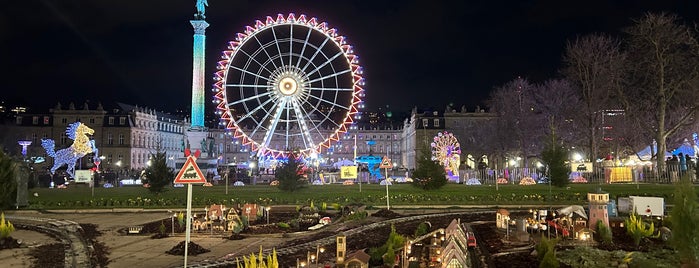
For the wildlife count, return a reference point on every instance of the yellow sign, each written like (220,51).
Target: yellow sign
(620,174)
(348,172)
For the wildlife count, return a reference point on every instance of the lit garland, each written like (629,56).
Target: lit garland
(81,146)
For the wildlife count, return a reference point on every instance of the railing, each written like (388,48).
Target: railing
(599,174)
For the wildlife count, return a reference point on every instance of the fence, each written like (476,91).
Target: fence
(599,174)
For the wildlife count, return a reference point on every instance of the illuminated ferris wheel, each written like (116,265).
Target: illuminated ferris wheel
(290,83)
(447,150)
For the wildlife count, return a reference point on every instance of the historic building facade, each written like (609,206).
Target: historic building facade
(127,135)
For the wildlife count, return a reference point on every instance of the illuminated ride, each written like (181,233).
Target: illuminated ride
(447,151)
(288,83)
(82,145)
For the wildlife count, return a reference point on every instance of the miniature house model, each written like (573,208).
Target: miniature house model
(341,248)
(598,208)
(502,218)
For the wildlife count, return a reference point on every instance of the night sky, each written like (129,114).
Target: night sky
(414,53)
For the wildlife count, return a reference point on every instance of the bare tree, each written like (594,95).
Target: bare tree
(517,127)
(557,103)
(594,66)
(663,74)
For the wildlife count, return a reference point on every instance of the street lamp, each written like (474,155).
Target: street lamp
(267,209)
(319,250)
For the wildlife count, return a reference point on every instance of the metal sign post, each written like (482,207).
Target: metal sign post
(386,164)
(190,173)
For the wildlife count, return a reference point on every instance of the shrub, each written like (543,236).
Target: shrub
(421,229)
(546,246)
(604,234)
(685,222)
(283,225)
(161,228)
(638,229)
(180,218)
(6,227)
(359,215)
(549,260)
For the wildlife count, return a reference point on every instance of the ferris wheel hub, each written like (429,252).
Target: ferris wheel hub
(287,86)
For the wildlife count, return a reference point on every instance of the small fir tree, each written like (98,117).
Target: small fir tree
(8,181)
(394,241)
(604,234)
(429,174)
(685,223)
(421,229)
(289,176)
(554,156)
(544,247)
(158,174)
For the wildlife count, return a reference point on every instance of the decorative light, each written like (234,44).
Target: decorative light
(82,145)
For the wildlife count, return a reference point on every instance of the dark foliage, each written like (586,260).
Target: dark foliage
(288,176)
(554,157)
(429,174)
(158,174)
(8,181)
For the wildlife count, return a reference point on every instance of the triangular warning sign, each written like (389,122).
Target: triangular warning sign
(385,163)
(190,172)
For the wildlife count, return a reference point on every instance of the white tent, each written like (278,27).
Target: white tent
(567,211)
(343,163)
(646,153)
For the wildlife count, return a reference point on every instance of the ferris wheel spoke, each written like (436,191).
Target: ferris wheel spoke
(330,89)
(262,121)
(251,73)
(264,48)
(252,98)
(288,122)
(250,113)
(316,127)
(291,42)
(276,42)
(255,60)
(325,63)
(329,102)
(247,85)
(303,48)
(330,76)
(273,125)
(300,119)
(318,50)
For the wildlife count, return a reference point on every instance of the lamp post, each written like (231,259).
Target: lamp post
(319,250)
(172,221)
(267,209)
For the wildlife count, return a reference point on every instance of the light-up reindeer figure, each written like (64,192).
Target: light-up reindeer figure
(82,145)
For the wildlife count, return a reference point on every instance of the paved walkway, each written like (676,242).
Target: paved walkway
(129,251)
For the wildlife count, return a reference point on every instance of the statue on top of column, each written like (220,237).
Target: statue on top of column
(201,5)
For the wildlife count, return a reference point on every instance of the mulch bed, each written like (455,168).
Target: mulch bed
(193,249)
(385,213)
(51,255)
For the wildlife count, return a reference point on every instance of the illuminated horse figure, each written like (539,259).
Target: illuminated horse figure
(82,145)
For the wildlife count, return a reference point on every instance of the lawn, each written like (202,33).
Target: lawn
(81,196)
